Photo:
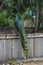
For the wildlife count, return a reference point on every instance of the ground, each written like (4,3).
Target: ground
(33,63)
(28,63)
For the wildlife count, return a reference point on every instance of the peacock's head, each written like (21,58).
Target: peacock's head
(17,17)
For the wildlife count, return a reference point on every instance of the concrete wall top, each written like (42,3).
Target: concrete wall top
(7,36)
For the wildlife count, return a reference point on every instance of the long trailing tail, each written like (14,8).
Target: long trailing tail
(24,42)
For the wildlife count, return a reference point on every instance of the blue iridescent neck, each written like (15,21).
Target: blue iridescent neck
(16,17)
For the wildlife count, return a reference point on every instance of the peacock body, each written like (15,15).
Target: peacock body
(22,35)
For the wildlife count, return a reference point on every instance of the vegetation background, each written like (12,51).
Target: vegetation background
(29,11)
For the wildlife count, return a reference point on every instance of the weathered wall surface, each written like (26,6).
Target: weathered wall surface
(11,48)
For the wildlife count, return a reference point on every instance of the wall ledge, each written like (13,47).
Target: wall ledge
(15,36)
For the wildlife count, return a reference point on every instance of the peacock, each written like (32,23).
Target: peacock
(22,35)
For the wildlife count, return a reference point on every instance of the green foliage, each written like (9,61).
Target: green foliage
(22,8)
(11,21)
(3,17)
(12,62)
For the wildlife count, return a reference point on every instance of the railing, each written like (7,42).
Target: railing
(8,30)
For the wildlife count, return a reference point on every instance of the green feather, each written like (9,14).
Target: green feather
(23,39)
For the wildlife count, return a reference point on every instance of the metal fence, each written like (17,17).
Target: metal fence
(8,30)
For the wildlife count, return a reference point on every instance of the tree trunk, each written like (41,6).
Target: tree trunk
(37,15)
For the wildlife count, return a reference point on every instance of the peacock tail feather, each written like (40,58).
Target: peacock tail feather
(23,39)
